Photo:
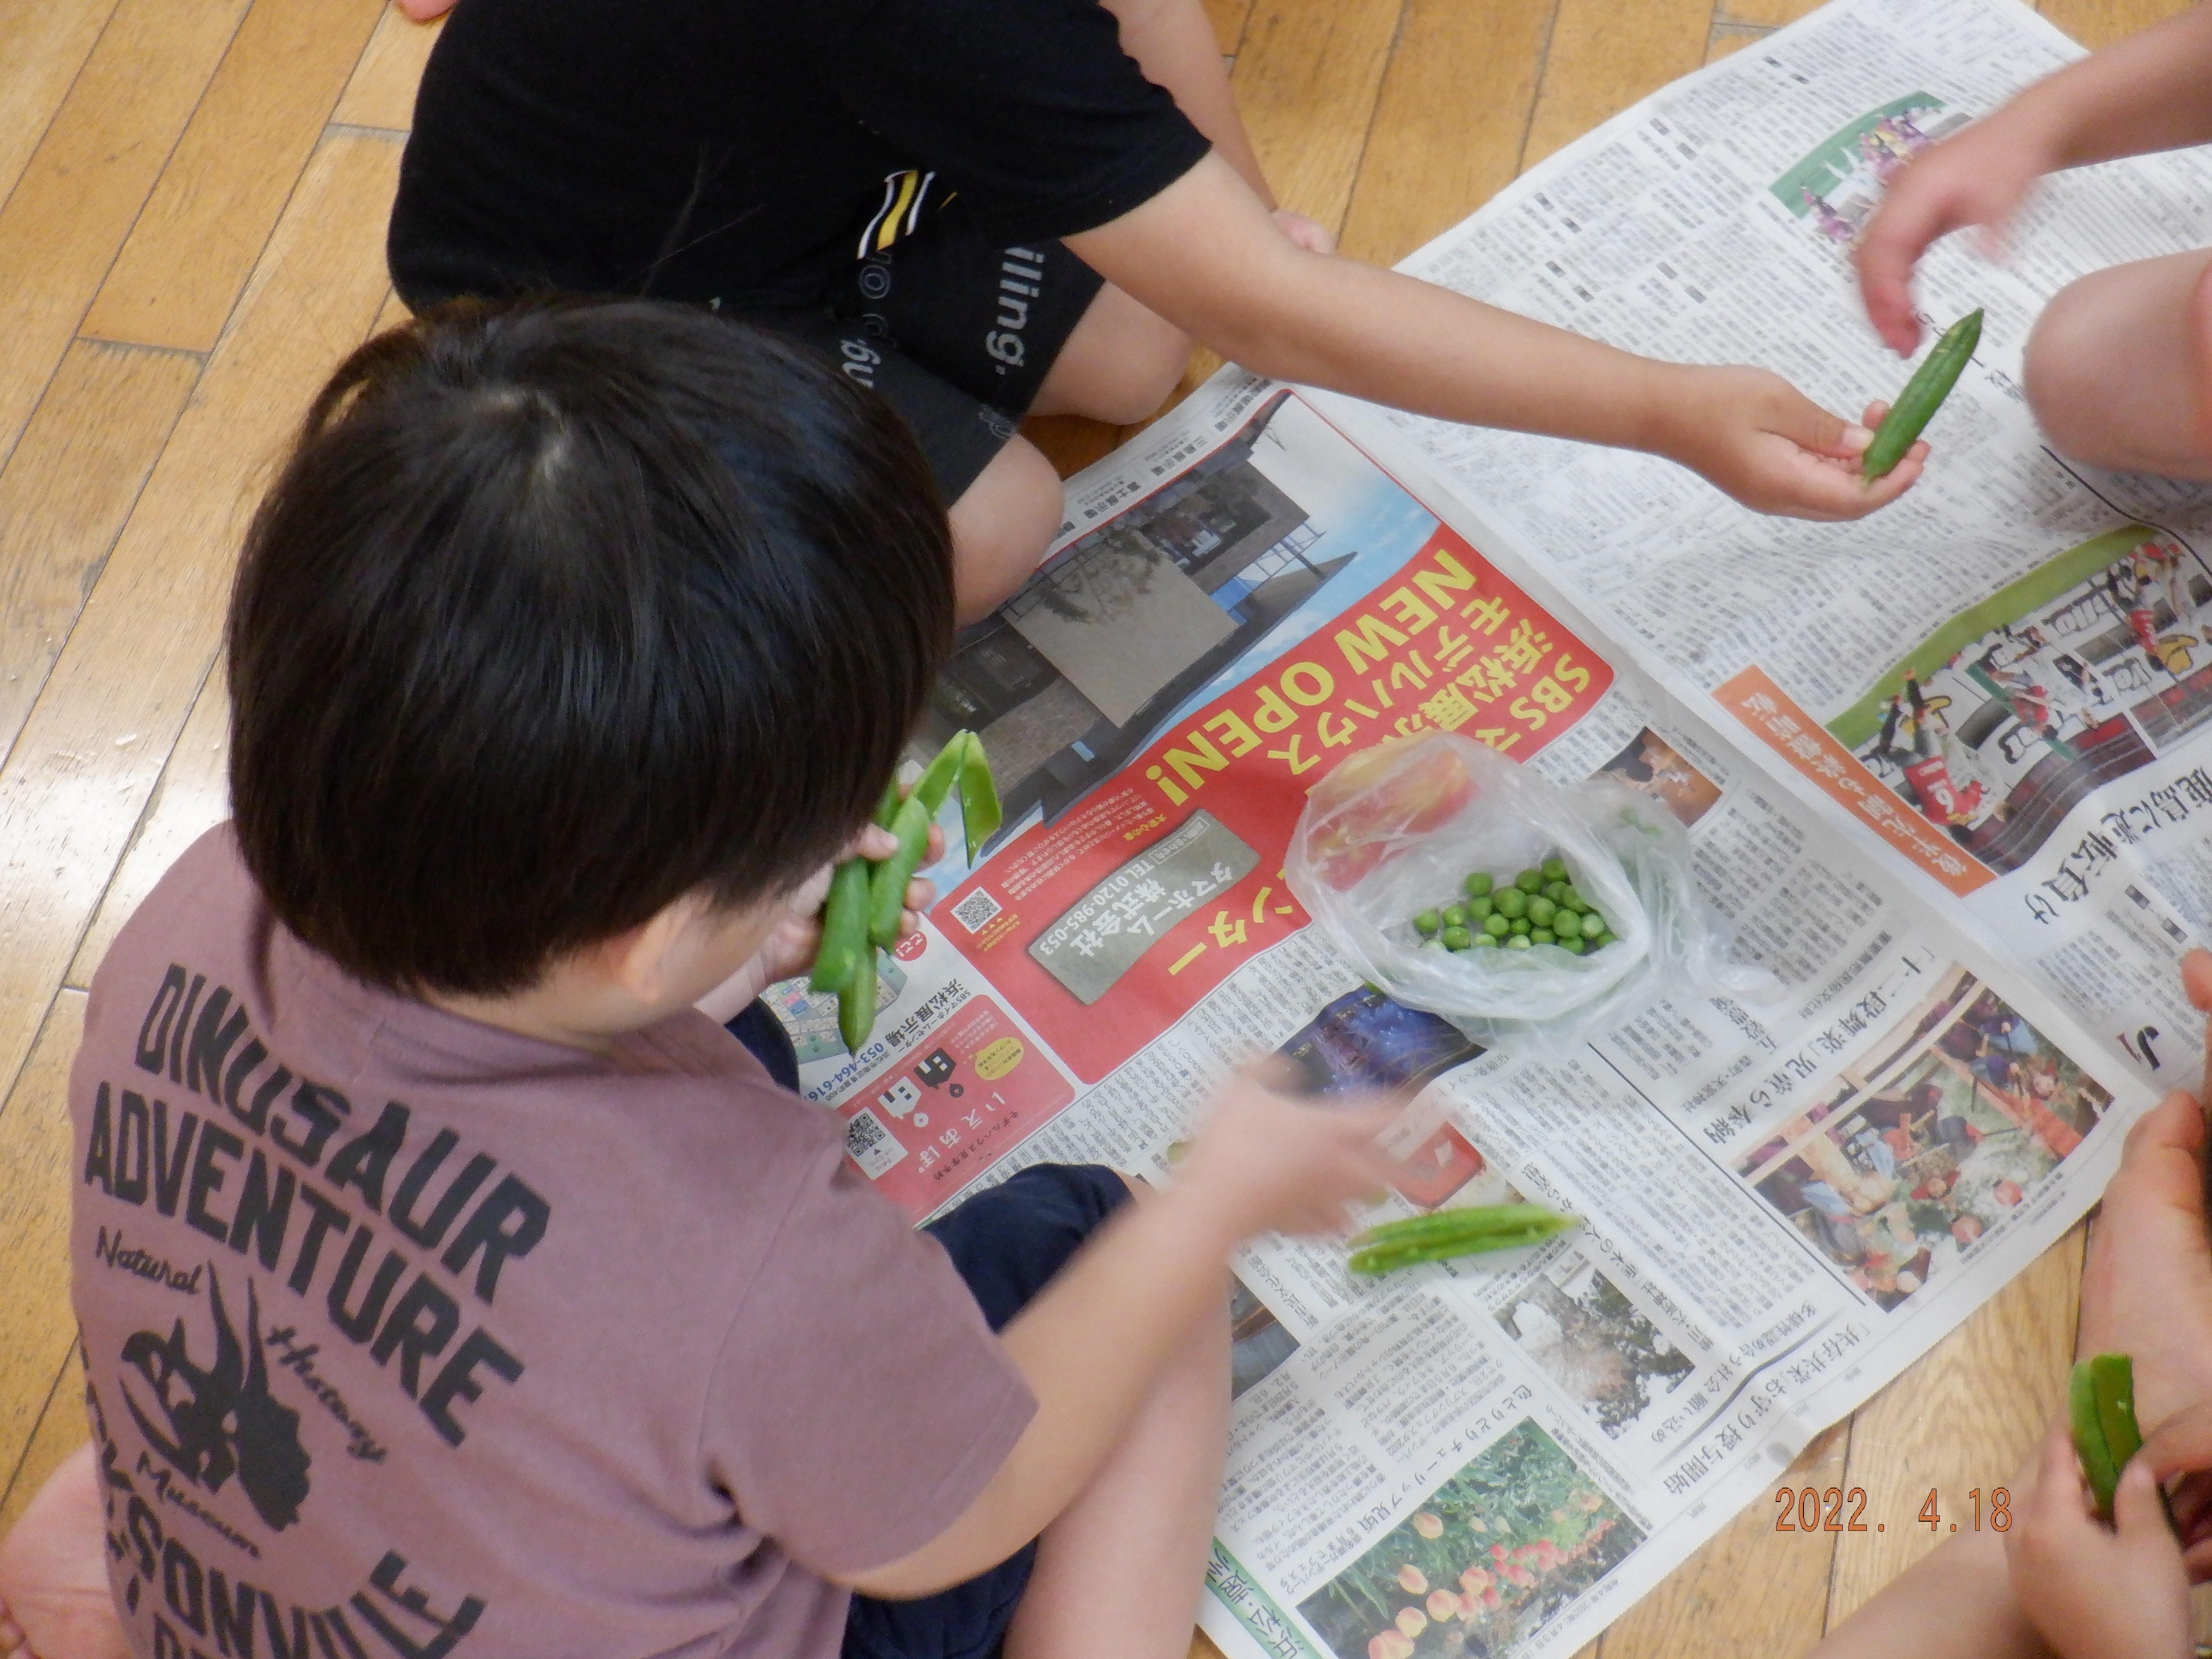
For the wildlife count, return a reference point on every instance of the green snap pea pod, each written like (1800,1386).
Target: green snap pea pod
(844,925)
(979,813)
(856,1002)
(887,884)
(1462,1218)
(2100,1401)
(845,912)
(936,783)
(1448,1233)
(1923,395)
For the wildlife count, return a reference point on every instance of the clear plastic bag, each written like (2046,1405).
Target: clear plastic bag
(1392,832)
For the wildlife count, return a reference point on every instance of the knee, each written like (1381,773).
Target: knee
(2058,368)
(1149,368)
(1001,525)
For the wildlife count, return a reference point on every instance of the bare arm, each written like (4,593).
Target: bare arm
(1092,1345)
(1174,44)
(1203,254)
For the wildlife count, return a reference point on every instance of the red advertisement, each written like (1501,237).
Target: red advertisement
(921,1130)
(1105,927)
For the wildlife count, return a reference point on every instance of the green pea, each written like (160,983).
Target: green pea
(1529,880)
(1555,868)
(1513,903)
(1426,923)
(1602,940)
(1496,927)
(1572,945)
(1489,939)
(1541,910)
(1477,909)
(1517,943)
(1477,883)
(1593,924)
(1454,916)
(1540,936)
(1456,938)
(1521,927)
(1574,901)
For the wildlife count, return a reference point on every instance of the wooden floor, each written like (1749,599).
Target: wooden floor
(192,200)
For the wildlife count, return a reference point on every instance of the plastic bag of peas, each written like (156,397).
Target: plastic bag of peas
(1532,914)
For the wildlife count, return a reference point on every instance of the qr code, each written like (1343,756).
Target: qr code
(870,1145)
(978,908)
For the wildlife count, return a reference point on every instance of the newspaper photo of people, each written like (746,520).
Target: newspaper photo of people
(1490,1558)
(1650,764)
(1595,1344)
(2002,721)
(1835,188)
(1897,1173)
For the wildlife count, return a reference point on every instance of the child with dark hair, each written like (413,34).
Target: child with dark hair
(446,1278)
(986,208)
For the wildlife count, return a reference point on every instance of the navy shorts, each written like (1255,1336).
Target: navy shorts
(1007,1242)
(956,332)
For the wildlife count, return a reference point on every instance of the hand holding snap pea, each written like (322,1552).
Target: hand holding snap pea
(871,898)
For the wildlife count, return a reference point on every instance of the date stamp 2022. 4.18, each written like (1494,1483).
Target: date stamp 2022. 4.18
(1837,1509)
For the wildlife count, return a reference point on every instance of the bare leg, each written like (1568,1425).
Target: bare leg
(2120,364)
(1955,1602)
(1118,1575)
(1117,365)
(55,1602)
(1001,525)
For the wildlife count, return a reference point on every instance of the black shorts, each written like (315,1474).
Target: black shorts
(955,333)
(1007,1242)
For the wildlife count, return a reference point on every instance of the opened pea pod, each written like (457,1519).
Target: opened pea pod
(869,897)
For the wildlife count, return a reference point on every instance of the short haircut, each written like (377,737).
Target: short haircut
(560,611)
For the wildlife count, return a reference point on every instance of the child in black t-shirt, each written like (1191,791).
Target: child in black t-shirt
(988,208)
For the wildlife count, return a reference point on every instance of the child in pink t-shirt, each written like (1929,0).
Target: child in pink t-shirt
(448,1279)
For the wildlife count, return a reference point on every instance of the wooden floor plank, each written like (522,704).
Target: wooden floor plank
(1731,37)
(42,47)
(1450,121)
(1765,14)
(72,792)
(1604,56)
(61,1430)
(382,91)
(89,176)
(1966,1416)
(2096,23)
(1752,1593)
(36,1325)
(1229,18)
(1307,79)
(64,495)
(193,795)
(211,212)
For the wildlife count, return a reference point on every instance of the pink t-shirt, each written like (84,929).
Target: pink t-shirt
(404,1335)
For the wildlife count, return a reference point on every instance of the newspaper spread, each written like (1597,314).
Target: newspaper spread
(1945,771)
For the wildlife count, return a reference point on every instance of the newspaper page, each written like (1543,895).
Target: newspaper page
(2004,679)
(1785,1204)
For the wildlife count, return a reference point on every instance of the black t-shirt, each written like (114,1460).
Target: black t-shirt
(744,151)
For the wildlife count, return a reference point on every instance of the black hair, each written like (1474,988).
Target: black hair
(558,612)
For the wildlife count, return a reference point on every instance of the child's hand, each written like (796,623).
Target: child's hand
(793,944)
(1265,1162)
(1753,435)
(2096,1593)
(1976,178)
